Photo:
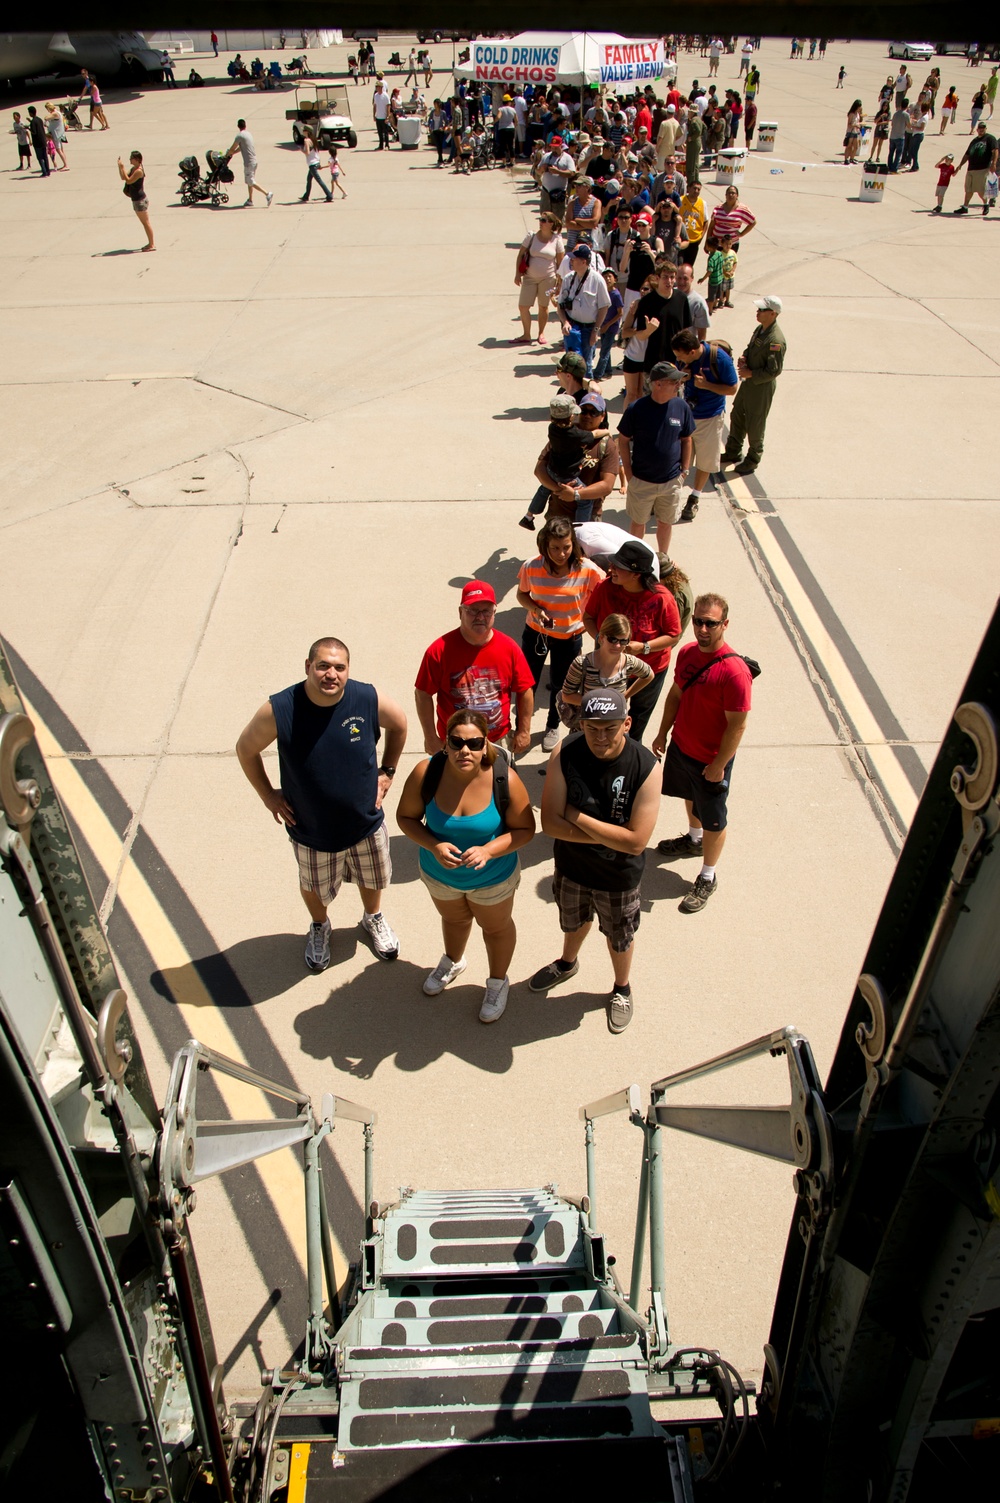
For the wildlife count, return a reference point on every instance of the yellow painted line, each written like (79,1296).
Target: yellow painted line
(867,728)
(297,1473)
(281,1172)
(742,495)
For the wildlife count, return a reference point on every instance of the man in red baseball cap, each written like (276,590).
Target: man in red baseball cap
(553,174)
(475,667)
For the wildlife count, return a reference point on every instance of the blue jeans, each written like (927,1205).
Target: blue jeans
(584,509)
(603,367)
(312,174)
(586,348)
(896,152)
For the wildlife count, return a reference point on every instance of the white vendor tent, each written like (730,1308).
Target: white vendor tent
(567,57)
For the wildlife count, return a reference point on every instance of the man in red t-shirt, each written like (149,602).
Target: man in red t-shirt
(475,667)
(707,710)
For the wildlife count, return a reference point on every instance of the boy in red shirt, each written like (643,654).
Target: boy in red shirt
(946,171)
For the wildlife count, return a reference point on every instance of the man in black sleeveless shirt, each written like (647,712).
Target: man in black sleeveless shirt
(331,792)
(600,805)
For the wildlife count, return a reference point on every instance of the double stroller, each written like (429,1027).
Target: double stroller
(196,189)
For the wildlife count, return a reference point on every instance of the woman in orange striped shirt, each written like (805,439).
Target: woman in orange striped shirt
(554,588)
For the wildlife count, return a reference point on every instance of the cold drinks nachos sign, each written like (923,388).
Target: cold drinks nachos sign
(508,63)
(626,62)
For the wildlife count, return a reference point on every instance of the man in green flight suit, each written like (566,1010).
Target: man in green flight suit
(759,367)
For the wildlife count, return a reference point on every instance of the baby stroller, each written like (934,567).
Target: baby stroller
(196,189)
(71,119)
(482,151)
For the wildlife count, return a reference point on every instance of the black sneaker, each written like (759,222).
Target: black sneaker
(690,509)
(746,467)
(728,460)
(680,845)
(699,895)
(620,1011)
(528,522)
(551,975)
(962,209)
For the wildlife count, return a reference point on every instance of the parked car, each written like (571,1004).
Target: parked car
(443,35)
(915,52)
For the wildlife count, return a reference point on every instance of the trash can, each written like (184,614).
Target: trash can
(873,180)
(408,131)
(766,132)
(730,166)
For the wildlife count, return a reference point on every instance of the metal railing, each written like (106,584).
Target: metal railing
(798,1134)
(192,1150)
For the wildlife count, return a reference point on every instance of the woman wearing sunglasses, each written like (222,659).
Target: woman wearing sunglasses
(469,821)
(554,588)
(609,666)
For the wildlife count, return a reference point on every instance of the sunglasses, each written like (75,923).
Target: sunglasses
(474,743)
(705,621)
(617,641)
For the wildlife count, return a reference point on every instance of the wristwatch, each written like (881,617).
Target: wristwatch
(644,649)
(390,772)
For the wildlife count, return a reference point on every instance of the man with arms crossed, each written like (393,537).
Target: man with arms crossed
(706,711)
(600,805)
(331,792)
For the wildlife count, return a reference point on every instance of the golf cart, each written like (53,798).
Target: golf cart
(324,109)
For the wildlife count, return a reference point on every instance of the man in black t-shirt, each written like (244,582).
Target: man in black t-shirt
(981,157)
(600,805)
(670,308)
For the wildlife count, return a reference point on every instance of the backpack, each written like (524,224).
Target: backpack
(714,346)
(751,663)
(501,781)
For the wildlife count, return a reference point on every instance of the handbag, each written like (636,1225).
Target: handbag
(524,260)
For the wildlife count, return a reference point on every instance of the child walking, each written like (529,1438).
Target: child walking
(946,170)
(336,171)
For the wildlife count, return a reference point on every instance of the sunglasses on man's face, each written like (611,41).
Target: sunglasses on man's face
(474,743)
(705,622)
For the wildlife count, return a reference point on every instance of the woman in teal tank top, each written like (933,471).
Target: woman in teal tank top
(468,853)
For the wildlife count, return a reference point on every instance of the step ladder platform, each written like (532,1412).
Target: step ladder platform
(467,1329)
(620,1347)
(494,1406)
(478,1241)
(450,1306)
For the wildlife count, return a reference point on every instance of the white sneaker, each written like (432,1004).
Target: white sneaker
(384,942)
(444,973)
(269,198)
(551,738)
(494,1000)
(318,946)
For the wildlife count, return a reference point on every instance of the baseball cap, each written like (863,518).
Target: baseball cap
(580,252)
(769,305)
(604,704)
(671,109)
(478,593)
(634,556)
(506,99)
(583,178)
(562,405)
(664,370)
(612,185)
(593,400)
(572,361)
(556,141)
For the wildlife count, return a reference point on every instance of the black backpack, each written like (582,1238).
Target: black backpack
(501,780)
(751,663)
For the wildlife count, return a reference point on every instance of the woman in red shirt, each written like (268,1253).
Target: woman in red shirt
(731,218)
(632,591)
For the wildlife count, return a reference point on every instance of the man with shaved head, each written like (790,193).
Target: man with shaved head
(331,788)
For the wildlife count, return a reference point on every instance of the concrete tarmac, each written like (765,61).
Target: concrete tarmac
(309,419)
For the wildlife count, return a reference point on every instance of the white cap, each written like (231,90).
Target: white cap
(769,305)
(671,109)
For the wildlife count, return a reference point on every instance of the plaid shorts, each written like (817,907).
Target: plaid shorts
(617,912)
(366,863)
